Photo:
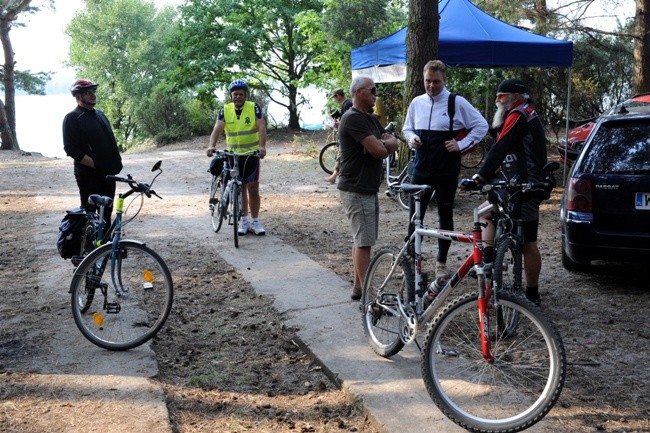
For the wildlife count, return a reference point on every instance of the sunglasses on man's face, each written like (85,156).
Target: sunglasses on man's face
(372,90)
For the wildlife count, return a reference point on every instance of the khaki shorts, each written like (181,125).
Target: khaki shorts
(362,211)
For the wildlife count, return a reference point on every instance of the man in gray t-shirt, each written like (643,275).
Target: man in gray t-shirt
(364,143)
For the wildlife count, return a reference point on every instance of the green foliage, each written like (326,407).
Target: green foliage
(380,18)
(342,30)
(602,77)
(168,117)
(201,117)
(219,40)
(163,116)
(392,95)
(120,45)
(32,83)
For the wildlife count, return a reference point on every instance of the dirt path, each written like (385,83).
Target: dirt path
(225,359)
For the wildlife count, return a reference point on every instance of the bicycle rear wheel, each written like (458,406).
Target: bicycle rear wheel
(508,395)
(327,157)
(474,157)
(125,321)
(382,321)
(216,208)
(236,211)
(507,276)
(403,198)
(88,238)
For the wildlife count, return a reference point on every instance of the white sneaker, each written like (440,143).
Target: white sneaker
(257,228)
(244,227)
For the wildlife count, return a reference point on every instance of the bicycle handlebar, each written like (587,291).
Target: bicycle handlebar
(223,153)
(137,187)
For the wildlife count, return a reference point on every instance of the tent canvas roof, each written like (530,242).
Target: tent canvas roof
(469,37)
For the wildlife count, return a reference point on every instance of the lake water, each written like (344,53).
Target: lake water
(39,121)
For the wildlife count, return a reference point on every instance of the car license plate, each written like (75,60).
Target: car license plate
(642,201)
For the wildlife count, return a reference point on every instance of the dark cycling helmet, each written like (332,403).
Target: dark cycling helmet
(238,85)
(82,86)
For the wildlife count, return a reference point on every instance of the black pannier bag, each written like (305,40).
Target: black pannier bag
(216,165)
(70,233)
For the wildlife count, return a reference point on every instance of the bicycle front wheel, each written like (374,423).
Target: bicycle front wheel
(327,157)
(382,321)
(236,211)
(216,202)
(126,316)
(507,395)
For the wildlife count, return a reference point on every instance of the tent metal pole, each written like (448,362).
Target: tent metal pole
(566,126)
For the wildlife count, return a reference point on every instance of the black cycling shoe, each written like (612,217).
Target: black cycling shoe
(533,296)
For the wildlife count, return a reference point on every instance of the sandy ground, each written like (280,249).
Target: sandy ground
(218,324)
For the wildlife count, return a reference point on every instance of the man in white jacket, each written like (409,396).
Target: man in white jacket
(439,132)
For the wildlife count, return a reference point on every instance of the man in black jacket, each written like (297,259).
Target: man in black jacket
(88,139)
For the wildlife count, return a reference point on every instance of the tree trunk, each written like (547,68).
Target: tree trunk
(8,116)
(421,44)
(641,43)
(294,118)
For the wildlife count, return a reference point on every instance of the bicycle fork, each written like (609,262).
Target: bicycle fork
(485,289)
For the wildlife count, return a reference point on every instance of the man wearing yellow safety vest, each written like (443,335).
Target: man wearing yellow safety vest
(245,129)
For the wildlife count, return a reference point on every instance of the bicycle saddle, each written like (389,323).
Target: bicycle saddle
(99,200)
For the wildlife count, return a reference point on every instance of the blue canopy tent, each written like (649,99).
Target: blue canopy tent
(467,37)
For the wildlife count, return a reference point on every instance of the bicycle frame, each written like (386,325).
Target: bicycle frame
(393,182)
(114,232)
(417,319)
(231,173)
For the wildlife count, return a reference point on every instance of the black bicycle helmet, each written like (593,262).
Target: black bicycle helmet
(82,86)
(238,85)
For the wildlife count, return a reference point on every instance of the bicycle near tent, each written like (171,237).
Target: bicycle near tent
(122,290)
(473,157)
(226,200)
(492,361)
(329,152)
(393,182)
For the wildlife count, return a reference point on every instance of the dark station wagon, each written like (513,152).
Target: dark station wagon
(605,208)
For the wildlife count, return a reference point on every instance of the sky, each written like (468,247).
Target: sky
(41,45)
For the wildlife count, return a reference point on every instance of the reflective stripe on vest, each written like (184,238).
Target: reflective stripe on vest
(241,133)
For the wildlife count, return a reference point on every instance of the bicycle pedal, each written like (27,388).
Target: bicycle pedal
(113,308)
(76,260)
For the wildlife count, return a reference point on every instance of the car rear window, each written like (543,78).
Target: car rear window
(619,147)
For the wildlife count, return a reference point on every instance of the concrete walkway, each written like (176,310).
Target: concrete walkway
(329,326)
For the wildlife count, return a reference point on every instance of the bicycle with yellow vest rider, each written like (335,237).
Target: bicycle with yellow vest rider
(243,123)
